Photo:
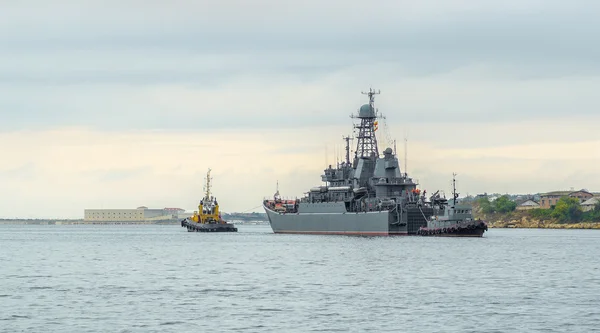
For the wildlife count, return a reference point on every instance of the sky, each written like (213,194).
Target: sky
(118,104)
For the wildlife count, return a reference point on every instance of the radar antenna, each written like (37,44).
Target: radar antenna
(371,93)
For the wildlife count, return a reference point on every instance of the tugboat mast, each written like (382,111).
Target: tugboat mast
(454,194)
(207,186)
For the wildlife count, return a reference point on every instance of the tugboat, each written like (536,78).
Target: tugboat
(452,219)
(207,218)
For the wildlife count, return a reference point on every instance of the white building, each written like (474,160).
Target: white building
(528,204)
(589,204)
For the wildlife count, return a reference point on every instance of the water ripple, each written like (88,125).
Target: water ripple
(163,279)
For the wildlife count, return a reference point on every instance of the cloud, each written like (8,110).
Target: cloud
(121,101)
(254,102)
(65,171)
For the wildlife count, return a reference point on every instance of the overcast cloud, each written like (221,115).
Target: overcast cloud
(516,73)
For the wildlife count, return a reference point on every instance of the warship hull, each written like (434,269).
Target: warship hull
(375,223)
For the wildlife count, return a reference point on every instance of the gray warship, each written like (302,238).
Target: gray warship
(370,196)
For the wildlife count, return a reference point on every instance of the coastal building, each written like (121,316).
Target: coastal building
(140,214)
(590,204)
(528,204)
(550,199)
(174,211)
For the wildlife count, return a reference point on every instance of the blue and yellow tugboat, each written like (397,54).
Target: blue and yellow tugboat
(207,218)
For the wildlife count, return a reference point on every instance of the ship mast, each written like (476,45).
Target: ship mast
(366,146)
(207,186)
(276,196)
(405,156)
(347,139)
(454,194)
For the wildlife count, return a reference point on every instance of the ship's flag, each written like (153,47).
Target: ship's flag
(375,125)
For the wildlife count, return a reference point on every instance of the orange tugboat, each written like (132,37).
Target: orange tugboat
(207,218)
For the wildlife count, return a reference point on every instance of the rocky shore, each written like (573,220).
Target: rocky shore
(521,219)
(526,223)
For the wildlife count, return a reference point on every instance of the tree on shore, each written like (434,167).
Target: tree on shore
(567,210)
(501,205)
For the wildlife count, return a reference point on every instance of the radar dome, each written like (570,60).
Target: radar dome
(366,111)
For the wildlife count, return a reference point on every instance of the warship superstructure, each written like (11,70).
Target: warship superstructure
(207,218)
(367,196)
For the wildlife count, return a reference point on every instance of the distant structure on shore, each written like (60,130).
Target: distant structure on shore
(551,198)
(587,199)
(140,214)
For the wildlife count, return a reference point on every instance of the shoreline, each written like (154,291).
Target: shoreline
(492,225)
(82,222)
(541,225)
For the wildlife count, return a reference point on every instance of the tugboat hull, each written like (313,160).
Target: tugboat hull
(208,227)
(470,230)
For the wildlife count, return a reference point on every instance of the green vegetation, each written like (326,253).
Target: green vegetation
(541,214)
(500,205)
(567,210)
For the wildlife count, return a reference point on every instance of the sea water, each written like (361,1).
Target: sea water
(149,278)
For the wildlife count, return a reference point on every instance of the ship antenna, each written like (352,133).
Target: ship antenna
(405,156)
(347,138)
(326,156)
(371,95)
(276,195)
(334,155)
